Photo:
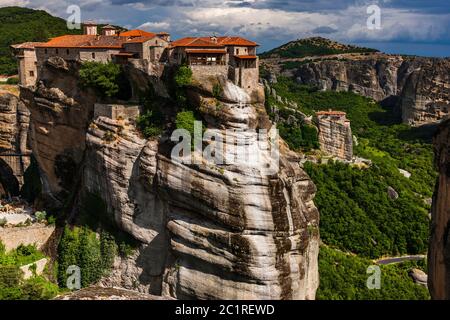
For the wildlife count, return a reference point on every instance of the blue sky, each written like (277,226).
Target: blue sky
(407,26)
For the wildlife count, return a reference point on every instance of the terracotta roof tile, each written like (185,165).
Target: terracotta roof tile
(209,42)
(222,51)
(137,33)
(26,45)
(246,57)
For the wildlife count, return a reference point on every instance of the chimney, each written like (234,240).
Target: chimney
(90,28)
(214,38)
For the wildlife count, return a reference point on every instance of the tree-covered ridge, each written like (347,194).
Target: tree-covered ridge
(358,215)
(344,277)
(315,46)
(18,25)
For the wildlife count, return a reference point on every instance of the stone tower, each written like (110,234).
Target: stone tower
(90,28)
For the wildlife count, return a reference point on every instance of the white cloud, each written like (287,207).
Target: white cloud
(14,3)
(152,26)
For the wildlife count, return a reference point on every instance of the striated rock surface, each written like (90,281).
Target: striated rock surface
(206,230)
(420,87)
(60,113)
(439,248)
(14,120)
(335,135)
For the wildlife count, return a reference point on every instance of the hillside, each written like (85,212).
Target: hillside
(19,25)
(315,46)
(357,215)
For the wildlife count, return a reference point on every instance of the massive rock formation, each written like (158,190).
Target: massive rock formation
(222,231)
(14,119)
(335,134)
(60,114)
(439,250)
(419,86)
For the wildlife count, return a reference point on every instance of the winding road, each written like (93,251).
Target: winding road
(390,260)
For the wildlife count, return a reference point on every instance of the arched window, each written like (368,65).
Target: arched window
(93,55)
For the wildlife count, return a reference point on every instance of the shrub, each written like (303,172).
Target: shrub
(183,76)
(106,78)
(217,91)
(3,222)
(40,215)
(185,120)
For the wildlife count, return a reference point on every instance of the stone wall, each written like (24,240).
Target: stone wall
(116,111)
(36,234)
(205,72)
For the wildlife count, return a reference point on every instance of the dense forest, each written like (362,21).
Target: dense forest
(19,25)
(315,46)
(357,215)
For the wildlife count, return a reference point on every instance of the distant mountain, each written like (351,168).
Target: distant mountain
(19,25)
(315,46)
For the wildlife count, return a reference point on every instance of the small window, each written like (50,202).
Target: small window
(57,51)
(237,51)
(156,42)
(93,55)
(67,52)
(31,73)
(45,51)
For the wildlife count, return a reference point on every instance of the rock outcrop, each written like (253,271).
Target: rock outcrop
(439,249)
(14,121)
(420,87)
(335,134)
(60,113)
(207,231)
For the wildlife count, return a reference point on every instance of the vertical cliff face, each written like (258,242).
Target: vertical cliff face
(439,250)
(335,137)
(206,231)
(420,87)
(14,121)
(60,114)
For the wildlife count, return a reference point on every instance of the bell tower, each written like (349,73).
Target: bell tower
(90,28)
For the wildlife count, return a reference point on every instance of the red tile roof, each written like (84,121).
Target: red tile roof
(26,45)
(137,33)
(209,42)
(246,57)
(222,51)
(92,41)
